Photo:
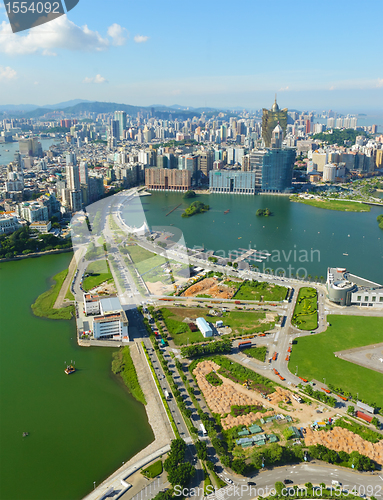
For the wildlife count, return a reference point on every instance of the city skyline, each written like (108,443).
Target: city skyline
(200,57)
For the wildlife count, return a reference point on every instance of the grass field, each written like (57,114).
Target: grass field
(69,295)
(305,315)
(43,306)
(254,290)
(123,364)
(257,352)
(315,358)
(241,322)
(153,470)
(145,261)
(99,272)
(343,206)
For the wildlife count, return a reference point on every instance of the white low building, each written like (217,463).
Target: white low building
(112,323)
(42,226)
(204,327)
(8,224)
(91,304)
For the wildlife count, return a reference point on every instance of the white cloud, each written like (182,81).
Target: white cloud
(118,34)
(7,73)
(379,82)
(58,34)
(96,79)
(141,38)
(283,89)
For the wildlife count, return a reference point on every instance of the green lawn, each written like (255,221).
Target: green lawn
(314,356)
(305,315)
(43,306)
(257,352)
(153,470)
(99,272)
(254,290)
(69,295)
(145,261)
(343,206)
(241,322)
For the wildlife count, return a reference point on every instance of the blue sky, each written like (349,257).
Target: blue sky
(213,53)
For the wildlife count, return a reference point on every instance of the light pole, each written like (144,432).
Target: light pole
(94,485)
(296,371)
(324,380)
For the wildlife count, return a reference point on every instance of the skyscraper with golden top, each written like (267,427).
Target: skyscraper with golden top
(270,119)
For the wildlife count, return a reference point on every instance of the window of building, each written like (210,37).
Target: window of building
(366,298)
(359,298)
(380,299)
(373,299)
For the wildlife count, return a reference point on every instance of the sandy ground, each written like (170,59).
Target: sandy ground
(104,288)
(221,398)
(212,287)
(159,288)
(344,440)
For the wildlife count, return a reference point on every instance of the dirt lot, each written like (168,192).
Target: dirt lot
(221,398)
(344,440)
(212,287)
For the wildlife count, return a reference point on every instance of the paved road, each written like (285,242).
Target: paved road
(264,481)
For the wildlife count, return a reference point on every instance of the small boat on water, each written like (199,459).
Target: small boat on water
(345,254)
(25,434)
(70,369)
(226,211)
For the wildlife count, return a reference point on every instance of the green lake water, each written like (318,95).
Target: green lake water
(296,235)
(82,426)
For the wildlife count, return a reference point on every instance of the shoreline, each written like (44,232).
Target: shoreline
(38,254)
(161,429)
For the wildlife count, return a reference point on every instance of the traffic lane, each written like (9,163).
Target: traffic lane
(304,473)
(165,386)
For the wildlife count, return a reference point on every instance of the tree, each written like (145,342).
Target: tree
(279,487)
(375,422)
(239,466)
(235,265)
(164,495)
(201,448)
(181,475)
(309,486)
(229,264)
(351,410)
(210,465)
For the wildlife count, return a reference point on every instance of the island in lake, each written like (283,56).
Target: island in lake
(197,207)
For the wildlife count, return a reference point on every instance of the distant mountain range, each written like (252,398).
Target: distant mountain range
(76,106)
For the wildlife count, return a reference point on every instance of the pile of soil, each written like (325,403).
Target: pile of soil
(340,439)
(210,286)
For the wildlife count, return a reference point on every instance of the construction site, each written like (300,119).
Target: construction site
(222,398)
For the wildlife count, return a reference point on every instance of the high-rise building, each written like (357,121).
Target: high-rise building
(84,178)
(206,159)
(120,117)
(271,117)
(165,179)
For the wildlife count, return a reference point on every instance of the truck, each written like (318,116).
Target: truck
(275,355)
(167,395)
(203,430)
(363,416)
(297,398)
(237,302)
(244,345)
